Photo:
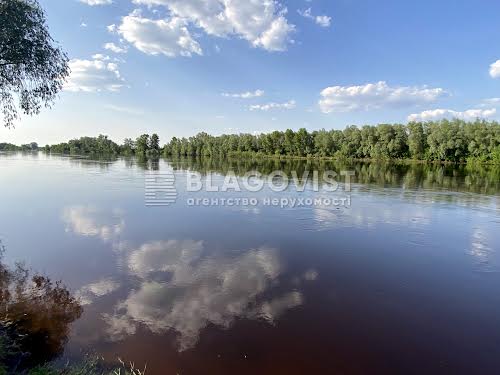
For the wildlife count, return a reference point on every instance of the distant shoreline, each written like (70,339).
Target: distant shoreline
(102,156)
(445,142)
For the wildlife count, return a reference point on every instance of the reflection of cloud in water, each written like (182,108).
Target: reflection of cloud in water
(163,256)
(88,293)
(311,275)
(90,221)
(201,291)
(273,309)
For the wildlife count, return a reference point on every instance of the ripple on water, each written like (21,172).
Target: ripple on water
(481,252)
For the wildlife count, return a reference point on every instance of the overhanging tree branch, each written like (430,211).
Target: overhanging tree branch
(32,67)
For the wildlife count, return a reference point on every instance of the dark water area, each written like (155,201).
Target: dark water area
(406,279)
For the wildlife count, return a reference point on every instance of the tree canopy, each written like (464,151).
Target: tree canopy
(33,68)
(448,141)
(453,141)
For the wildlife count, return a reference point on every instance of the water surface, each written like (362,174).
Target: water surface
(405,280)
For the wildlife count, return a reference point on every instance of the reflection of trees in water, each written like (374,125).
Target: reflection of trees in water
(483,179)
(35,317)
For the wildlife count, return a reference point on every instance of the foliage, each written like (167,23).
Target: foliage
(496,155)
(33,146)
(452,141)
(86,146)
(32,68)
(442,141)
(142,144)
(9,147)
(154,143)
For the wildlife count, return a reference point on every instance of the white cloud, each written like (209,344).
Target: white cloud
(323,21)
(245,95)
(114,48)
(273,106)
(83,24)
(111,28)
(168,37)
(260,22)
(492,101)
(375,96)
(100,56)
(94,75)
(437,114)
(127,110)
(97,2)
(495,69)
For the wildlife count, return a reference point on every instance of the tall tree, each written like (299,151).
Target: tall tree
(142,144)
(33,68)
(417,140)
(154,143)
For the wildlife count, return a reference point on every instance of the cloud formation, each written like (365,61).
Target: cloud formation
(291,104)
(375,96)
(492,101)
(437,114)
(97,2)
(114,48)
(261,22)
(94,75)
(245,95)
(495,69)
(323,21)
(154,37)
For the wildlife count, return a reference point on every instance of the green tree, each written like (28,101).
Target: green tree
(323,143)
(417,141)
(303,142)
(444,140)
(128,146)
(142,144)
(289,142)
(154,143)
(32,68)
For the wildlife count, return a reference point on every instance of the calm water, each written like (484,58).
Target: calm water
(406,279)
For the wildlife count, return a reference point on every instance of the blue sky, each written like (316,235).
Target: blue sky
(178,67)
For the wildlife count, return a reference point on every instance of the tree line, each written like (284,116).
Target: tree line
(33,146)
(445,140)
(145,145)
(453,141)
